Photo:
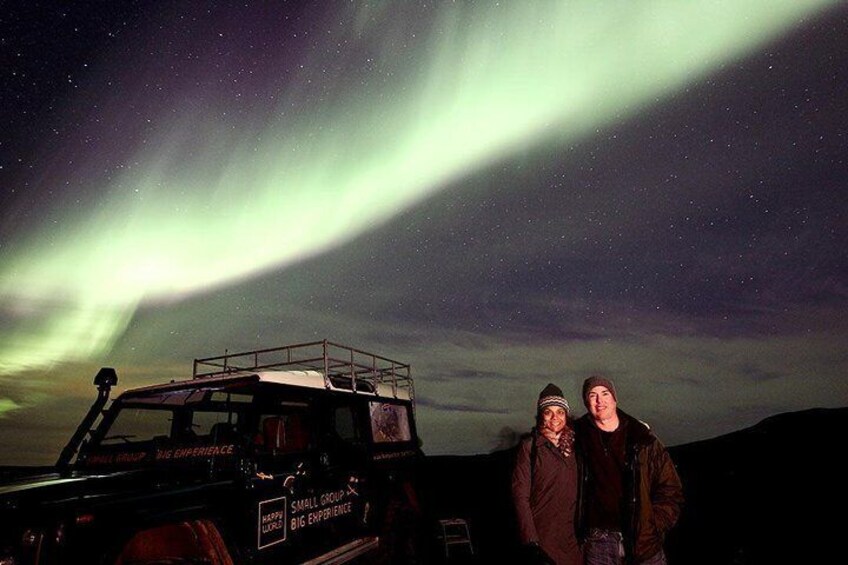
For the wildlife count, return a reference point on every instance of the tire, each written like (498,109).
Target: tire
(195,541)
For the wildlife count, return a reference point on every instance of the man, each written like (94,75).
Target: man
(544,485)
(631,495)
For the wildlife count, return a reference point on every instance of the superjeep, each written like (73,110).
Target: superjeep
(302,453)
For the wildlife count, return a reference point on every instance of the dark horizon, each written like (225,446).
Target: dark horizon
(738,508)
(508,442)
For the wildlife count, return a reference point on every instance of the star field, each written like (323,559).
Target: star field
(501,195)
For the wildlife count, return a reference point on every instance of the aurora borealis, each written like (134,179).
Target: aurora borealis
(501,194)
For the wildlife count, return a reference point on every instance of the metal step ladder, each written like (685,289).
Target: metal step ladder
(455,533)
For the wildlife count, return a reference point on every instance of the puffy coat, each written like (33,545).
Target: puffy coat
(545,497)
(651,485)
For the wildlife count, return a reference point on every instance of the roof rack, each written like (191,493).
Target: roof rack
(341,366)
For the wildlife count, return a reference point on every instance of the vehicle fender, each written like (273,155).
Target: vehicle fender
(194,540)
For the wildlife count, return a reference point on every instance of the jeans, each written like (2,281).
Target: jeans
(605,547)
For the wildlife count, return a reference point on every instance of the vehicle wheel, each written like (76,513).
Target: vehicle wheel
(196,541)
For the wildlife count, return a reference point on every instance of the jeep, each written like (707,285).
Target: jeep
(296,454)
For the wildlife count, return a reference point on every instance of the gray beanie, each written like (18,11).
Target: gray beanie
(551,395)
(597,380)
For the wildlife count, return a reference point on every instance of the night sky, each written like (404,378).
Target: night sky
(500,194)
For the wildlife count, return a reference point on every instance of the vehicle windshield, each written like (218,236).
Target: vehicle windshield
(191,425)
(186,415)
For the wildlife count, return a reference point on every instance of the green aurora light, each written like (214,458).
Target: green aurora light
(211,203)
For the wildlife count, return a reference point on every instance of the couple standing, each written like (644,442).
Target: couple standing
(603,479)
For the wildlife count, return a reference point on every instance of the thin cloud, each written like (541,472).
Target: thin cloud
(465,408)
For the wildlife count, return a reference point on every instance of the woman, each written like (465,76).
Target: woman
(544,484)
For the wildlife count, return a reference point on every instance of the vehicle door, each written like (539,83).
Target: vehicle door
(304,489)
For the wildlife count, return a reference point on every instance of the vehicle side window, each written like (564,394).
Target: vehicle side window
(220,427)
(389,422)
(345,424)
(283,433)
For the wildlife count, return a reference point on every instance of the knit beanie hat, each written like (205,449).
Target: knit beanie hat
(594,381)
(551,395)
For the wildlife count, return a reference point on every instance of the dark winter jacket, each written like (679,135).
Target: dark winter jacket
(654,494)
(545,497)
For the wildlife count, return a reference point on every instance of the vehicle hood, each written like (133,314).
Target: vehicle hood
(30,482)
(32,491)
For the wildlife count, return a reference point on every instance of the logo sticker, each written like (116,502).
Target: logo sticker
(272,522)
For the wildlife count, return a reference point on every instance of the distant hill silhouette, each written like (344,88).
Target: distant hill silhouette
(773,493)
